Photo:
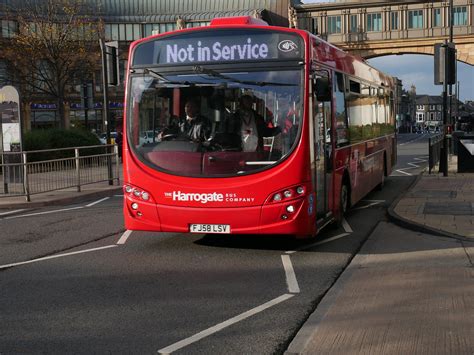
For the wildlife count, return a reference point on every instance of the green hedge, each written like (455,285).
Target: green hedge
(59,138)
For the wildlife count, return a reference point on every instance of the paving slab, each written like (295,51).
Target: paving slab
(404,293)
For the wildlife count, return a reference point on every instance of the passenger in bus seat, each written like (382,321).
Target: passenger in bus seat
(250,126)
(287,121)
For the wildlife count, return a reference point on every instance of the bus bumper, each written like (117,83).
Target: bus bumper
(289,218)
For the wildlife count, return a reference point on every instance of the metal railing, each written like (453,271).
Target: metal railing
(434,149)
(33,172)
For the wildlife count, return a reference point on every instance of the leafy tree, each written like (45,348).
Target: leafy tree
(55,48)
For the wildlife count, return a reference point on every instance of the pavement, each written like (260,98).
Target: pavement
(409,290)
(62,197)
(437,204)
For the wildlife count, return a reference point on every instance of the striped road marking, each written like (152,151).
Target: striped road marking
(218,327)
(56,256)
(290,275)
(124,237)
(45,212)
(346,226)
(10,212)
(96,202)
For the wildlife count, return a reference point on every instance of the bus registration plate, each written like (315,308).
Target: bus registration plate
(209,228)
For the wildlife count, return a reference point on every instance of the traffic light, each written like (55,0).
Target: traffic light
(112,57)
(444,63)
(87,97)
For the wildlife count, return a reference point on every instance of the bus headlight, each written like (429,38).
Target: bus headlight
(290,209)
(134,192)
(288,193)
(277,197)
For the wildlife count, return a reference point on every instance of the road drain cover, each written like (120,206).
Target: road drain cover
(434,193)
(451,208)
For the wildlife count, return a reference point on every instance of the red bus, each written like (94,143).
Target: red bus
(244,128)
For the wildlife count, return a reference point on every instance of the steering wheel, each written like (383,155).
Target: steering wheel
(216,147)
(168,137)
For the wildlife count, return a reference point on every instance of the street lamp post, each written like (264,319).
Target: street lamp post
(445,73)
(105,106)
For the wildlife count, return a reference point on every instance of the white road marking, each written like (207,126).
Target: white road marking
(421,160)
(45,212)
(412,166)
(290,275)
(124,237)
(10,212)
(379,201)
(118,195)
(319,243)
(403,172)
(56,256)
(346,226)
(339,236)
(366,206)
(96,202)
(185,342)
(412,140)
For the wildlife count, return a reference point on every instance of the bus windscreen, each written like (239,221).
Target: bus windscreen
(210,123)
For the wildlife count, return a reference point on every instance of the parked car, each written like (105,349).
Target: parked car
(103,137)
(147,137)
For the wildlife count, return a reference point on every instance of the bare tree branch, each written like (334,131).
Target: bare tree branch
(56,43)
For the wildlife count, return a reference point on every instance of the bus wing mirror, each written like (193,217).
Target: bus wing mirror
(322,89)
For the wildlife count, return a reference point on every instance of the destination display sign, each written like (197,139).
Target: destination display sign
(219,46)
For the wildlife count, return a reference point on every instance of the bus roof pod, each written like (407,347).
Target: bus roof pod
(238,20)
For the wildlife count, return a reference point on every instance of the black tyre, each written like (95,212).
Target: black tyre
(381,184)
(344,200)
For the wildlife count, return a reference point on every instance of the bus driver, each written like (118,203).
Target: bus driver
(194,126)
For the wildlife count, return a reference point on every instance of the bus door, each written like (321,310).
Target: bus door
(321,116)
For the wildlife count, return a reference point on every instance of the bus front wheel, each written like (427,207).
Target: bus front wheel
(381,184)
(343,200)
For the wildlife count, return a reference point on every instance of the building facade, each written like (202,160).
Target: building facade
(124,21)
(371,28)
(429,111)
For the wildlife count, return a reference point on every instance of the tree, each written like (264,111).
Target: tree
(55,48)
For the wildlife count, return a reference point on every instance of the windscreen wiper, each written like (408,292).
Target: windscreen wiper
(164,79)
(201,70)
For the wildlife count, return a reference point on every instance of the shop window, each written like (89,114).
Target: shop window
(415,19)
(334,24)
(374,22)
(460,16)
(394,20)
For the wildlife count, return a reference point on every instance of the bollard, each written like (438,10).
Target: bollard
(26,185)
(78,169)
(117,165)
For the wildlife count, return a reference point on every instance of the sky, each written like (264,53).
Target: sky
(418,70)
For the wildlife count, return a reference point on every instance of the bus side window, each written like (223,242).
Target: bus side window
(342,130)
